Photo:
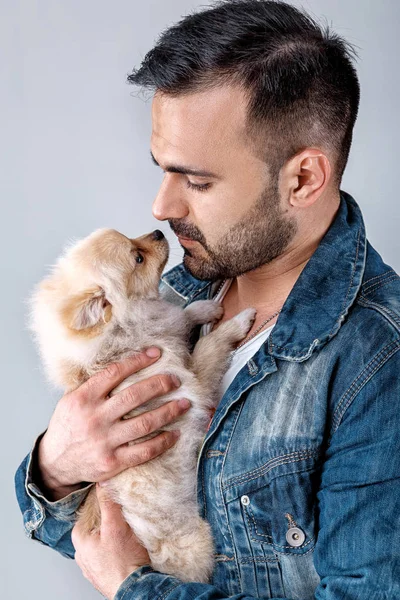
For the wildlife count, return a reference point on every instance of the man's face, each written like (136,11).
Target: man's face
(237,221)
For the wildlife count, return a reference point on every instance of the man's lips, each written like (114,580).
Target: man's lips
(186,241)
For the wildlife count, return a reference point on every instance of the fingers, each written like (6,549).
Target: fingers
(139,393)
(132,456)
(100,384)
(148,422)
(77,535)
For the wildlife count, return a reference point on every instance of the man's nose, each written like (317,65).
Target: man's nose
(168,203)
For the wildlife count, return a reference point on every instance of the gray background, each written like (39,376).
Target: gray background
(75,156)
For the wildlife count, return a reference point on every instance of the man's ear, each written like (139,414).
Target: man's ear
(86,310)
(307,175)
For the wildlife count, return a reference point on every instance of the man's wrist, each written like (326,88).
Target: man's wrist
(44,477)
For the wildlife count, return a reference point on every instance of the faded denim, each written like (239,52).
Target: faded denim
(306,439)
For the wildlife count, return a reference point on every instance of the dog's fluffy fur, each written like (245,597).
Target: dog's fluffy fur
(101,304)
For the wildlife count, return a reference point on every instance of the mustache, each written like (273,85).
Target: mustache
(187,231)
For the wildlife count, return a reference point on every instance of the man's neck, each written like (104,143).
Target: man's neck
(267,287)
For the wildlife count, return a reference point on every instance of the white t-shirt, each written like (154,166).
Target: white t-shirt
(241,356)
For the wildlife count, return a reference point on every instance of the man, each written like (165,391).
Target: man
(298,475)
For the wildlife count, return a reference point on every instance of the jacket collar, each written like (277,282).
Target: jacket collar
(322,295)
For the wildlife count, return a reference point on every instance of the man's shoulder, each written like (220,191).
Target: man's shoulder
(371,331)
(369,338)
(380,289)
(370,344)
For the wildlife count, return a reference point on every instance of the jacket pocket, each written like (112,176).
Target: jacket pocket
(276,523)
(283,514)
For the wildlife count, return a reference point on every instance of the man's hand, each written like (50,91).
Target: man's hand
(109,556)
(86,440)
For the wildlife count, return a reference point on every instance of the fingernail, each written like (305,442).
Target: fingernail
(153,352)
(184,403)
(176,380)
(103,483)
(176,433)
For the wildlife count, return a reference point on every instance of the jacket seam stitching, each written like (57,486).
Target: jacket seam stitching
(174,289)
(236,396)
(265,559)
(310,541)
(380,284)
(380,279)
(249,515)
(256,559)
(299,555)
(353,272)
(344,301)
(221,487)
(369,371)
(284,459)
(60,507)
(386,312)
(271,464)
(195,294)
(370,366)
(203,482)
(223,558)
(160,597)
(191,293)
(171,589)
(377,277)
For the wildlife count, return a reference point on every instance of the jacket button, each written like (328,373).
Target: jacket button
(295,536)
(245,500)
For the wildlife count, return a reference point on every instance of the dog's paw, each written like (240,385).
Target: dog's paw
(216,312)
(205,311)
(244,322)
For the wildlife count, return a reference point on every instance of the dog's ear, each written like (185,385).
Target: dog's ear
(87,310)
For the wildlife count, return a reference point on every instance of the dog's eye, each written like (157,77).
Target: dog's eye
(139,258)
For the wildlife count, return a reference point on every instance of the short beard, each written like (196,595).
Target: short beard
(262,235)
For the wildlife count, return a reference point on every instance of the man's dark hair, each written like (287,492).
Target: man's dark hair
(299,79)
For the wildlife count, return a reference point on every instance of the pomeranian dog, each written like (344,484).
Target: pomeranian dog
(101,304)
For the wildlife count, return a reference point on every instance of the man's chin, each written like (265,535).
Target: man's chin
(198,269)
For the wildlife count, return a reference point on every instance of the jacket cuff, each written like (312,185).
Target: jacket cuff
(63,509)
(146,584)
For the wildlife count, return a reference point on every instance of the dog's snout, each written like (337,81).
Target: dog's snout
(158,235)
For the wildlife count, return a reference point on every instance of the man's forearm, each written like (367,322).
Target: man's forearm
(45,520)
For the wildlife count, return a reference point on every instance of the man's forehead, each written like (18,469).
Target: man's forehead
(205,121)
(221,110)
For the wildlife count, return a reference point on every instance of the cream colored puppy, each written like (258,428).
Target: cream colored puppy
(101,304)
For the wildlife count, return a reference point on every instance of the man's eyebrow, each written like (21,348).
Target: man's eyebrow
(184,170)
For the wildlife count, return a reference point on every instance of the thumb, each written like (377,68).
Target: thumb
(110,511)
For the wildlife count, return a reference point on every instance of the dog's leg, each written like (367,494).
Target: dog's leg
(210,357)
(203,311)
(88,513)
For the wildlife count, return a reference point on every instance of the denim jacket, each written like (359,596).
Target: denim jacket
(299,473)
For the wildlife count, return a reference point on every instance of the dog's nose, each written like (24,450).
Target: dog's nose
(158,235)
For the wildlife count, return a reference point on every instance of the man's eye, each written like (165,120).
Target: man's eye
(198,187)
